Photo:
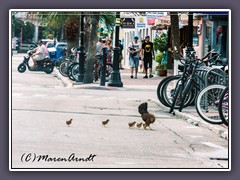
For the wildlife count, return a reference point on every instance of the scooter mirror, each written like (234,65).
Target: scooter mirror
(31,47)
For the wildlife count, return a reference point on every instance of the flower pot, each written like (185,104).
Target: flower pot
(162,72)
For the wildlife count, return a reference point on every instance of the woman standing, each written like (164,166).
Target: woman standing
(109,50)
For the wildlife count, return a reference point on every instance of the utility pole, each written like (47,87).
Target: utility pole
(190,29)
(82,53)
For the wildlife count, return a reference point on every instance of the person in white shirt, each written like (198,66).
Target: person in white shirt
(134,49)
(39,53)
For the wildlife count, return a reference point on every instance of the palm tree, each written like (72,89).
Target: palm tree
(71,23)
(175,32)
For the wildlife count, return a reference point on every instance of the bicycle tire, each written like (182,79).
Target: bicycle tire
(223,106)
(160,88)
(186,93)
(63,68)
(206,103)
(70,72)
(167,92)
(176,95)
(75,71)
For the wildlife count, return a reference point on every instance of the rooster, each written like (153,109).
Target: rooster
(147,117)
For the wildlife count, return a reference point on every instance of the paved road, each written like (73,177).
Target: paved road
(41,104)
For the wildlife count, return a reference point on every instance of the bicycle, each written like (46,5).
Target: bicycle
(223,106)
(189,81)
(207,103)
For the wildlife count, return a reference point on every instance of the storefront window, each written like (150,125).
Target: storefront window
(221,40)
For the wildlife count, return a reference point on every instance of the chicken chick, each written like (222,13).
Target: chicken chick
(69,122)
(139,125)
(105,122)
(131,124)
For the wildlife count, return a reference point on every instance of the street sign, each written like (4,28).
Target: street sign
(127,23)
(118,20)
(154,15)
(141,22)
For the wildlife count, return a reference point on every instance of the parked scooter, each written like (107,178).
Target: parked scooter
(45,65)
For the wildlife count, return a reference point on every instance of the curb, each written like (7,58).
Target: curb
(67,83)
(222,131)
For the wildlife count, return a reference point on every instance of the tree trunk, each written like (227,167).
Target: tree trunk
(92,40)
(175,40)
(72,35)
(175,33)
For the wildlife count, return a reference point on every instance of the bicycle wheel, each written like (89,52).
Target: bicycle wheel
(168,91)
(169,83)
(207,103)
(223,106)
(63,68)
(176,95)
(72,72)
(186,93)
(75,71)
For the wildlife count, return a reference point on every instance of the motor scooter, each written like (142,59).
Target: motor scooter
(46,65)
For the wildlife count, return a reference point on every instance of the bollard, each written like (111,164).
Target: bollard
(103,68)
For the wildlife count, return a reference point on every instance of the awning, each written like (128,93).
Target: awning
(165,21)
(151,21)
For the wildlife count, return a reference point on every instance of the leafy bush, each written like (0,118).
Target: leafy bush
(160,43)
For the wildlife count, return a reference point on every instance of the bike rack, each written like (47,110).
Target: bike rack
(209,76)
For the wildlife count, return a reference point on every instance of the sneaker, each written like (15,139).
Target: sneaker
(135,77)
(131,76)
(145,76)
(150,76)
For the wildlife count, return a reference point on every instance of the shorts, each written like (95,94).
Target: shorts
(148,61)
(38,58)
(134,62)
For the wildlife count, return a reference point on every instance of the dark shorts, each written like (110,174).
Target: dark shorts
(147,62)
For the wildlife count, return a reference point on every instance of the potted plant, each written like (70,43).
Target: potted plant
(162,66)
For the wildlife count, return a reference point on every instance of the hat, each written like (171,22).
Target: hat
(135,37)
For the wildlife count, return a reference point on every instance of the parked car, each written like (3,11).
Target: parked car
(56,51)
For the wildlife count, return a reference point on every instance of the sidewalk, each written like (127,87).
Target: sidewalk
(188,114)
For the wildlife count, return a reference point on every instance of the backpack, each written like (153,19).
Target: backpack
(132,49)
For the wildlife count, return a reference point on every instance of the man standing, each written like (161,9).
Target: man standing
(120,53)
(134,49)
(148,53)
(99,47)
(39,53)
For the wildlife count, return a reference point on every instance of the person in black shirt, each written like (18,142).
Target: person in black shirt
(148,53)
(120,54)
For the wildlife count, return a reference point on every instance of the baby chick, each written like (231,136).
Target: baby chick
(139,125)
(105,122)
(131,124)
(69,122)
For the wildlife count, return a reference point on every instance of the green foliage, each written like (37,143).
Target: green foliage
(160,43)
(159,59)
(27,30)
